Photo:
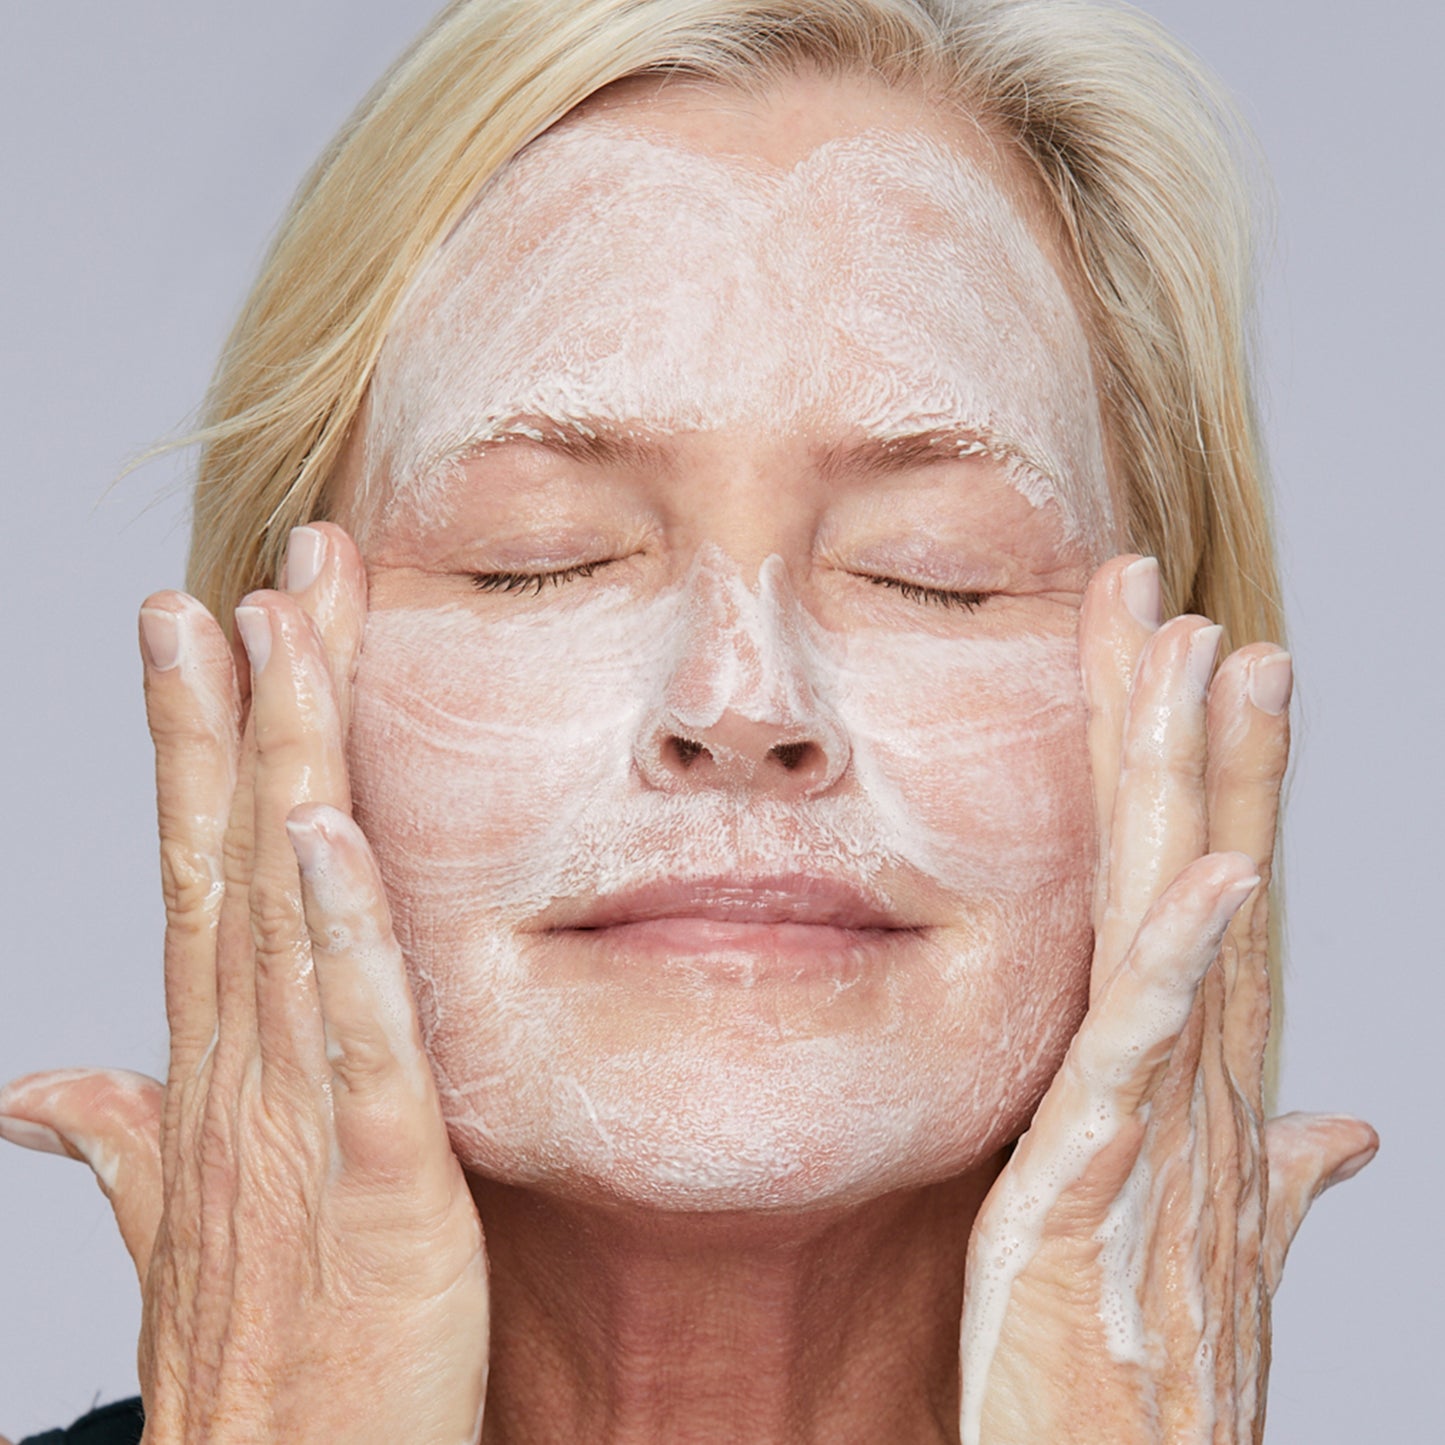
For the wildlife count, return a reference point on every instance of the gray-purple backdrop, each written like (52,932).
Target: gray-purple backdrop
(149,148)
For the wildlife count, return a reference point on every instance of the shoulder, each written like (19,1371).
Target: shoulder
(120,1423)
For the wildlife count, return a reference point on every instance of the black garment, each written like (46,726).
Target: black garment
(117,1424)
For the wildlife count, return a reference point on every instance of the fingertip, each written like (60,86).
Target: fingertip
(171,599)
(1360,1143)
(1271,682)
(167,623)
(253,625)
(19,1095)
(81,1113)
(1237,876)
(1235,868)
(1227,877)
(1105,588)
(315,829)
(325,819)
(323,562)
(306,550)
(339,875)
(161,638)
(27,1134)
(341,546)
(307,842)
(1203,653)
(1108,573)
(1140,589)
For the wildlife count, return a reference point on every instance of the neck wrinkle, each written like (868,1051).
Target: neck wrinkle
(624,1326)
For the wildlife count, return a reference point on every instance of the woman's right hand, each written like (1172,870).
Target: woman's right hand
(311,1261)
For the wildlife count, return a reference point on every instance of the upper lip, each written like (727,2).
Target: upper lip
(789,898)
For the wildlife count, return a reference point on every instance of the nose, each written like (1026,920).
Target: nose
(741,707)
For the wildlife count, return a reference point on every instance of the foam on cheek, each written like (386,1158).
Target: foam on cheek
(496,770)
(522,739)
(979,769)
(884,285)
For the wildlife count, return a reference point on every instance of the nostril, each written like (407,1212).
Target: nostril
(686,750)
(790,755)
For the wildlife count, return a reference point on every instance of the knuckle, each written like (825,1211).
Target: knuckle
(191,885)
(276,926)
(279,743)
(182,730)
(236,850)
(363,1062)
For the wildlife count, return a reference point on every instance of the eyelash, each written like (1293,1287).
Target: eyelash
(532,582)
(931,596)
(535,582)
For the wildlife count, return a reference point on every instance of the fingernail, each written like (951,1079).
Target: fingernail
(1270,679)
(160,635)
(305,554)
(255,629)
(32,1136)
(1141,592)
(1232,900)
(308,843)
(1350,1167)
(1203,648)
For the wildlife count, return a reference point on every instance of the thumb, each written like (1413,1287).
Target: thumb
(1307,1154)
(109,1119)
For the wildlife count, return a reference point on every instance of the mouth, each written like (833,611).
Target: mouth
(790,926)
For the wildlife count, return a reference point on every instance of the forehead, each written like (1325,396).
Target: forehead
(880,280)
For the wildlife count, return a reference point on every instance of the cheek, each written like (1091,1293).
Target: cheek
(979,751)
(480,752)
(472,745)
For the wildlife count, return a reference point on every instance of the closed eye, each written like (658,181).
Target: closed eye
(534,582)
(931,596)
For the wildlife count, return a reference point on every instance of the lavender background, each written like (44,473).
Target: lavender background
(150,147)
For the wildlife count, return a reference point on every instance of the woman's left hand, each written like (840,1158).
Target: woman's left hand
(1120,1271)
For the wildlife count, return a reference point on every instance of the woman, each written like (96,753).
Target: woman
(739,483)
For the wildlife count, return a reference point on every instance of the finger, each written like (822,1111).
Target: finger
(235,951)
(1159,822)
(108,1119)
(298,759)
(192,709)
(1120,613)
(1072,1166)
(1307,1154)
(1229,1213)
(325,574)
(1123,1047)
(386,1114)
(1248,719)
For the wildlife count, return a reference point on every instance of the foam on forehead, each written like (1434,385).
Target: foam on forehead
(884,285)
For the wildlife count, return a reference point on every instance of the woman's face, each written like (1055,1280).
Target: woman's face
(729,485)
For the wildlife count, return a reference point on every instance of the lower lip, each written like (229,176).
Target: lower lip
(749,952)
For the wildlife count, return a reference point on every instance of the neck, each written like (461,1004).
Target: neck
(616,1325)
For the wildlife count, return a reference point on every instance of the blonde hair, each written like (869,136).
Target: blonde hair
(1140,152)
(1135,145)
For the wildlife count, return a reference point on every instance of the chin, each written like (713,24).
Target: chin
(742,1110)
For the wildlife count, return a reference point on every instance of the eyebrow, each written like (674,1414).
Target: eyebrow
(599,441)
(593,441)
(889,453)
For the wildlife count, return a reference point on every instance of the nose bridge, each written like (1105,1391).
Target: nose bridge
(742,651)
(744,685)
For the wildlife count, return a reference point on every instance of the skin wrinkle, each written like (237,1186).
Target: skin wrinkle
(627,300)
